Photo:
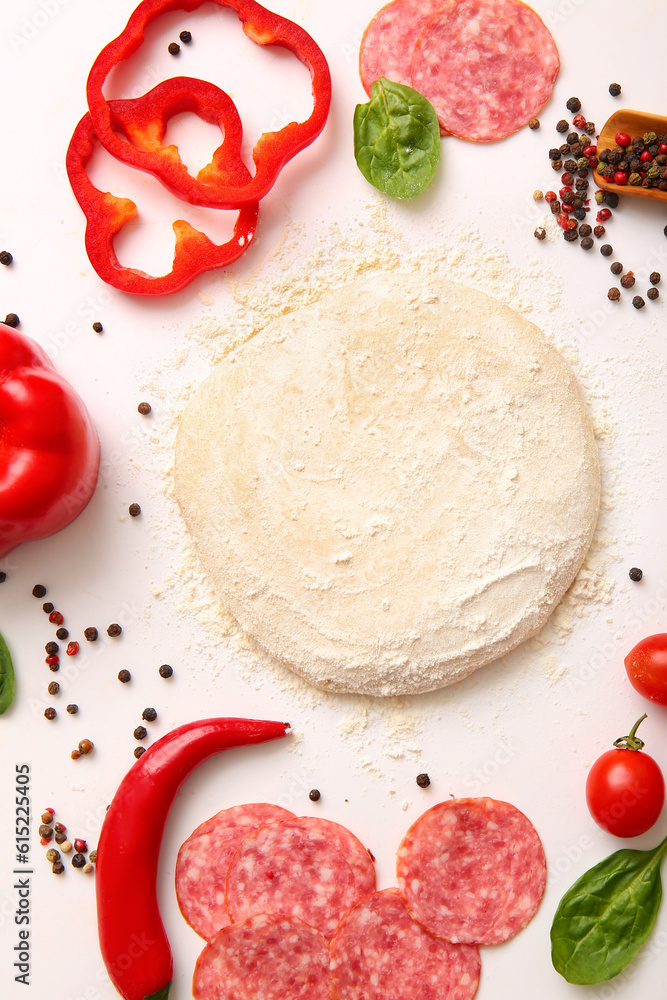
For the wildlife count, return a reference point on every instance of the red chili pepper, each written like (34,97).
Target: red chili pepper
(106,215)
(133,942)
(212,187)
(49,450)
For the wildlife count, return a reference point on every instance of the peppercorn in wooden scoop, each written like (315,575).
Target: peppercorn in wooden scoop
(643,166)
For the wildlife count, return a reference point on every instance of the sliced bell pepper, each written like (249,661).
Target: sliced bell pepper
(49,450)
(212,186)
(106,214)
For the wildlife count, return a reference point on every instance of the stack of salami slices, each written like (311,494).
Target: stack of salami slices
(289,908)
(486,66)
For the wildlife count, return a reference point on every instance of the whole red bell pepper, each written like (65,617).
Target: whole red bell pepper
(49,449)
(147,117)
(213,187)
(133,941)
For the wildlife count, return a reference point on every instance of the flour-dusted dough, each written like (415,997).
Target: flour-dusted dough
(391,487)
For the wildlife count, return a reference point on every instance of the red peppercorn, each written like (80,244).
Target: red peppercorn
(562,219)
(60,828)
(72,648)
(81,846)
(622,139)
(550,196)
(620,177)
(603,215)
(567,178)
(662,148)
(571,224)
(580,122)
(56,618)
(563,190)
(44,841)
(590,151)
(646,157)
(52,660)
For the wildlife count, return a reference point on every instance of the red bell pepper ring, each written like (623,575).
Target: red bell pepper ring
(212,187)
(106,214)
(133,942)
(49,449)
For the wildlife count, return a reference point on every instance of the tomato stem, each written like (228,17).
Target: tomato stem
(631,741)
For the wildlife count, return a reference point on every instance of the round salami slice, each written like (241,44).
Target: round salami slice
(267,957)
(203,861)
(380,953)
(351,848)
(388,41)
(454,870)
(486,66)
(528,868)
(287,868)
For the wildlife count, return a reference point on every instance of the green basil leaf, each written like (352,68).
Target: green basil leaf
(6,677)
(161,994)
(607,915)
(396,139)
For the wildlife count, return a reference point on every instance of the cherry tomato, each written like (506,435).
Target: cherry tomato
(625,789)
(646,666)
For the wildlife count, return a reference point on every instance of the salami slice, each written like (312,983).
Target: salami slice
(203,862)
(266,957)
(528,868)
(287,868)
(350,847)
(454,870)
(487,66)
(380,953)
(388,41)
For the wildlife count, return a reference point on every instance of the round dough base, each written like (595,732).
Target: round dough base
(391,487)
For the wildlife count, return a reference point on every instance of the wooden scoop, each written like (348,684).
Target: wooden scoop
(632,123)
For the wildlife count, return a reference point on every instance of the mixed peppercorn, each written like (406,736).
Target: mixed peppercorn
(640,161)
(49,830)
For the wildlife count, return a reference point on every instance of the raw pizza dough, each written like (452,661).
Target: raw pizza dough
(391,487)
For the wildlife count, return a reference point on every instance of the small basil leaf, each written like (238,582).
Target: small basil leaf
(607,915)
(396,139)
(6,677)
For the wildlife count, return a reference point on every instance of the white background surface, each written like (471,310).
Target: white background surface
(506,732)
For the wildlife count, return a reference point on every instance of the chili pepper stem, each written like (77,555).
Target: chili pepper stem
(631,741)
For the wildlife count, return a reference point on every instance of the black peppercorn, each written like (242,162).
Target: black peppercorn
(11,319)
(52,648)
(45,832)
(613,294)
(54,665)
(611,199)
(635,574)
(114,630)
(540,233)
(6,258)
(185,37)
(90,633)
(173,48)
(570,235)
(628,280)
(134,510)
(72,709)
(3,576)
(590,128)
(149,715)
(39,590)
(571,166)
(144,408)
(49,713)
(653,294)
(140,733)
(165,670)
(60,836)
(562,126)
(557,164)
(423,780)
(574,104)
(57,868)
(124,676)
(585,230)
(614,89)
(534,123)
(579,214)
(54,687)
(138,751)
(554,154)
(606,249)
(555,207)
(97,327)
(564,150)
(576,149)
(314,795)
(62,633)
(586,243)
(616,267)
(638,302)
(47,608)
(599,231)
(78,860)
(654,277)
